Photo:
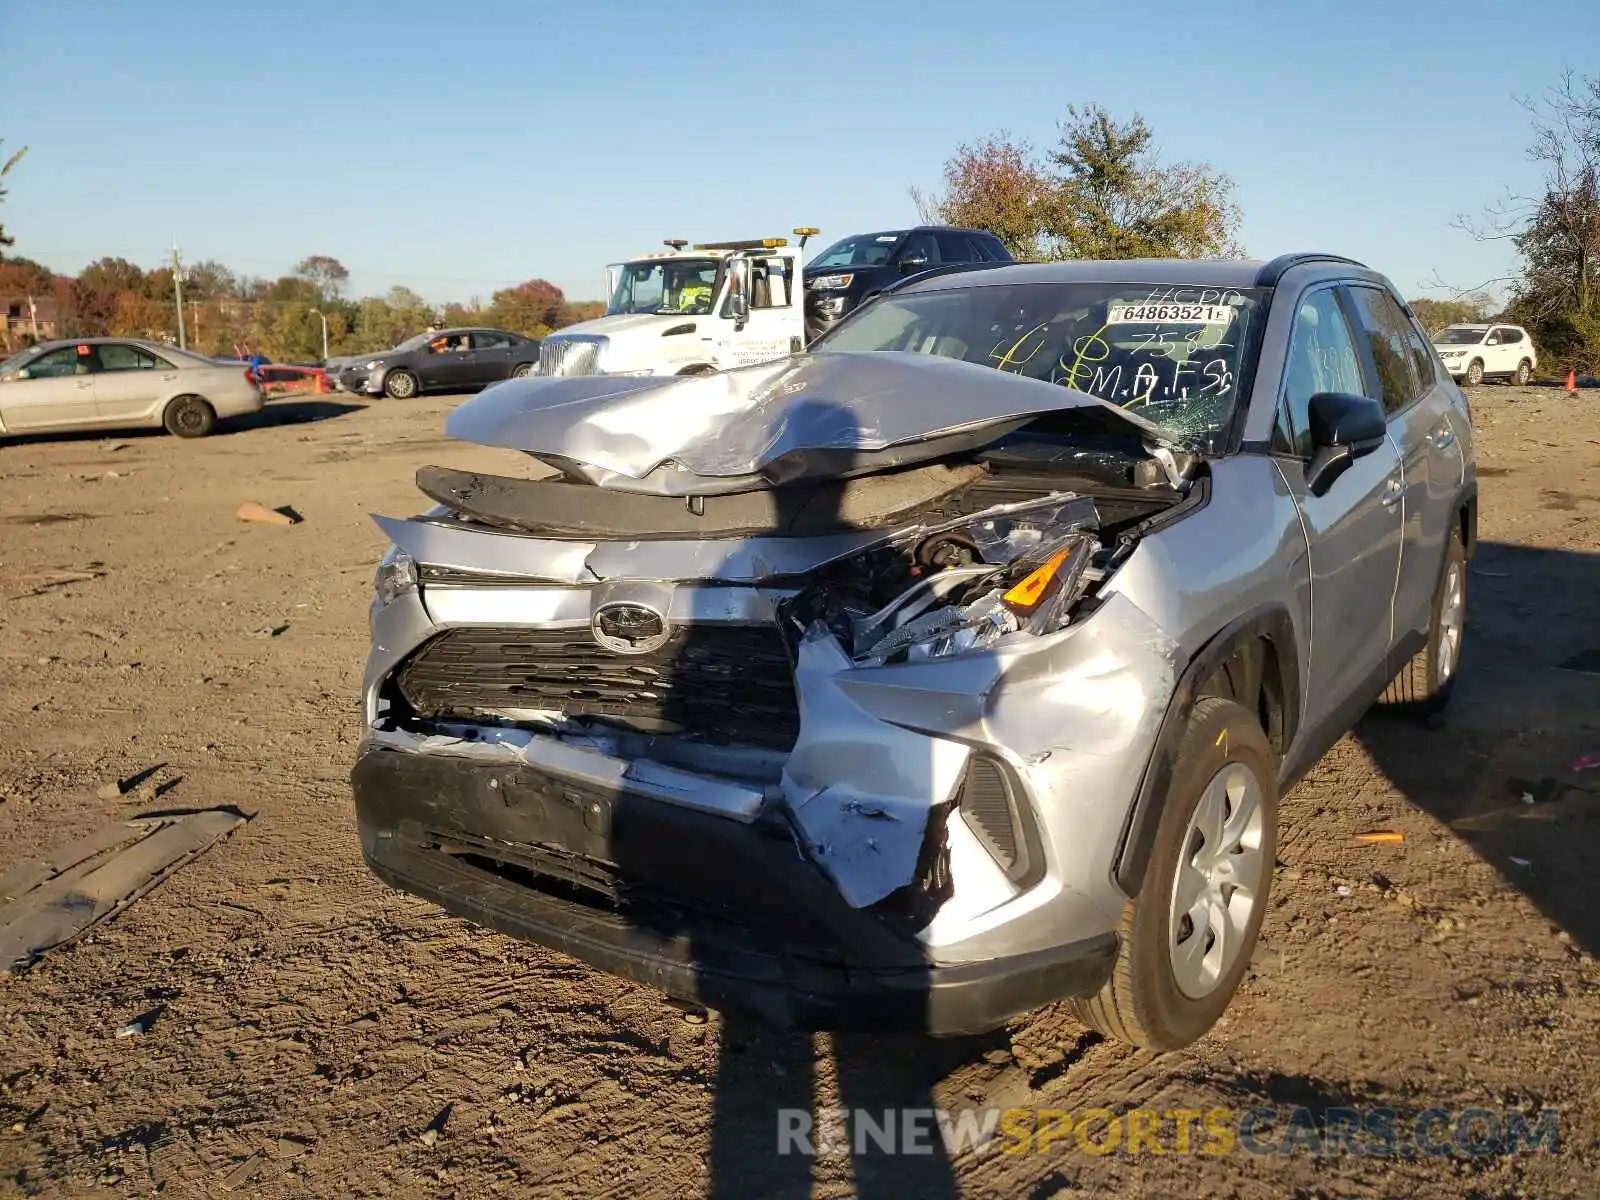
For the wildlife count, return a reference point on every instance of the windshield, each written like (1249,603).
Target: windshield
(11,365)
(415,342)
(1172,355)
(668,285)
(865,250)
(1457,335)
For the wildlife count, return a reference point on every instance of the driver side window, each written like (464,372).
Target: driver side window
(68,360)
(1322,358)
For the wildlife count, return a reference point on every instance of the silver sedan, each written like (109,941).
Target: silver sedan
(120,383)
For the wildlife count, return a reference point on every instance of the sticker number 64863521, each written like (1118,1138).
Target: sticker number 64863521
(1153,314)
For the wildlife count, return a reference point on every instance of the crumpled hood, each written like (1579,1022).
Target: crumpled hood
(815,415)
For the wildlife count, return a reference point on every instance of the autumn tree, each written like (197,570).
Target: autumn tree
(994,184)
(1104,192)
(100,284)
(532,308)
(328,275)
(5,169)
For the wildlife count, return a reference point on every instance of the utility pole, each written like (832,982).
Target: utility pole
(177,289)
(324,316)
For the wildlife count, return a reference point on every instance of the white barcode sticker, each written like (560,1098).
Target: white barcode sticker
(1169,314)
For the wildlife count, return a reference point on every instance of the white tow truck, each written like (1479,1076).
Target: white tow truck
(689,311)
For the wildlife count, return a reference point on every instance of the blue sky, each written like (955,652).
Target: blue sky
(462,148)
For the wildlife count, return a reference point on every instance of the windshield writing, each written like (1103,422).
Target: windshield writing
(1172,355)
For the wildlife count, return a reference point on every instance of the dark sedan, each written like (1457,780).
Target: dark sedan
(446,360)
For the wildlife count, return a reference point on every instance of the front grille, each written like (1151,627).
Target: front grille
(722,683)
(567,356)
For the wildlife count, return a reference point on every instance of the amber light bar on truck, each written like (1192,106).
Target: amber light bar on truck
(755,244)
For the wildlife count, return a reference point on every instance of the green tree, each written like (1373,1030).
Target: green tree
(5,169)
(1556,228)
(1104,192)
(1464,310)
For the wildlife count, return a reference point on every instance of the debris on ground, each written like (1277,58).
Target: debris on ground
(1381,837)
(52,901)
(252,510)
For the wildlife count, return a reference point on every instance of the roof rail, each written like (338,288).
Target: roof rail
(945,269)
(1272,272)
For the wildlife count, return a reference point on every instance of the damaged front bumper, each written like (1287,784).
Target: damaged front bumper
(706,909)
(859,748)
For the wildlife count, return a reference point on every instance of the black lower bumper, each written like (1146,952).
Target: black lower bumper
(701,907)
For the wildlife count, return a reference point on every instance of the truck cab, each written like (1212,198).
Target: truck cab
(690,310)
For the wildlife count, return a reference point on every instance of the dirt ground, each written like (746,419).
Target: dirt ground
(316,1034)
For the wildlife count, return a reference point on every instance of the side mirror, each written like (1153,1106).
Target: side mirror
(1343,428)
(739,310)
(25,373)
(913,262)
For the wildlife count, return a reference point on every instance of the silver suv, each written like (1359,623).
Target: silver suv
(950,668)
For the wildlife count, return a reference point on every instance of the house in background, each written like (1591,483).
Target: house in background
(27,319)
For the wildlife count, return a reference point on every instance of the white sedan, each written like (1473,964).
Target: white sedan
(120,383)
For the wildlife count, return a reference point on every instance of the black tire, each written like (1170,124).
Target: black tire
(401,385)
(1424,686)
(699,369)
(1142,1003)
(1475,372)
(522,370)
(189,417)
(1522,374)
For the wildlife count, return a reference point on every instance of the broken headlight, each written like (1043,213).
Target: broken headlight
(1033,592)
(397,575)
(961,586)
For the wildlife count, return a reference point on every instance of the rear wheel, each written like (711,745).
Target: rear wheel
(400,385)
(1424,686)
(1187,938)
(1524,371)
(189,417)
(1475,372)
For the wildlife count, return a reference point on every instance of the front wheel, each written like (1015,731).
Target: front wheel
(1523,372)
(189,417)
(1187,938)
(400,385)
(521,370)
(1424,686)
(1475,373)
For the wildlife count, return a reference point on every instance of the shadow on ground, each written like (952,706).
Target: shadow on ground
(1501,767)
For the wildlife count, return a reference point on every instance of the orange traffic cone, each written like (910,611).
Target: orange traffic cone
(1572,383)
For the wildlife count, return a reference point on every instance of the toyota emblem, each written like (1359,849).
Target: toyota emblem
(630,628)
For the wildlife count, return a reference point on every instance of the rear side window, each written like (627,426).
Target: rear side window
(114,356)
(958,248)
(1384,328)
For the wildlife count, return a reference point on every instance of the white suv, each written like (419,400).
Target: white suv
(1473,353)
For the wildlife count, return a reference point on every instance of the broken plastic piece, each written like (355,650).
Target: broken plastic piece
(1381,837)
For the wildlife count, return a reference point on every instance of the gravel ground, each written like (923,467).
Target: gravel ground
(316,1034)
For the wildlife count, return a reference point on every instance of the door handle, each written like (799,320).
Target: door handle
(1392,491)
(83,383)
